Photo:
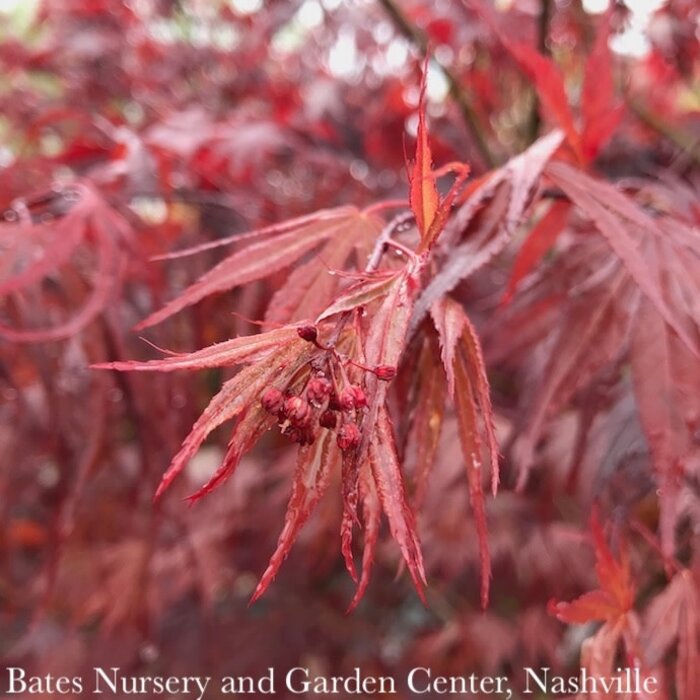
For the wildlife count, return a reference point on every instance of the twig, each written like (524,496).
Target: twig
(384,237)
(416,36)
(534,121)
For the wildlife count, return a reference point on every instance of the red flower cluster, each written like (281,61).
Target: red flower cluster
(329,399)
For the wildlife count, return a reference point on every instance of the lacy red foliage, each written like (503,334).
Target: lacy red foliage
(516,309)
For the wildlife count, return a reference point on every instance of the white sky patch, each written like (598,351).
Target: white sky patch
(292,36)
(162,31)
(595,7)
(397,54)
(437,87)
(310,14)
(382,32)
(17,16)
(246,7)
(633,41)
(412,125)
(343,59)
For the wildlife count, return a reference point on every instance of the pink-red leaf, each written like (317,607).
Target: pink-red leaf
(547,79)
(351,489)
(362,293)
(510,189)
(311,477)
(591,197)
(390,488)
(449,319)
(235,397)
(272,230)
(62,237)
(427,420)
(258,260)
(423,194)
(385,342)
(89,222)
(614,599)
(594,605)
(601,114)
(473,361)
(597,323)
(252,425)
(224,354)
(470,441)
(109,268)
(459,343)
(550,88)
(598,654)
(309,289)
(614,574)
(665,377)
(673,617)
(541,239)
(66,236)
(371,519)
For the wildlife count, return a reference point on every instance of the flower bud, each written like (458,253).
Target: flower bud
(385,372)
(334,402)
(297,410)
(328,419)
(352,397)
(317,390)
(348,436)
(272,400)
(308,333)
(346,400)
(359,396)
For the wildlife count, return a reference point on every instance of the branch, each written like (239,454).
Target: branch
(534,120)
(384,237)
(418,38)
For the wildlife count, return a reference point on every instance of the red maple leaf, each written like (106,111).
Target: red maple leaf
(615,597)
